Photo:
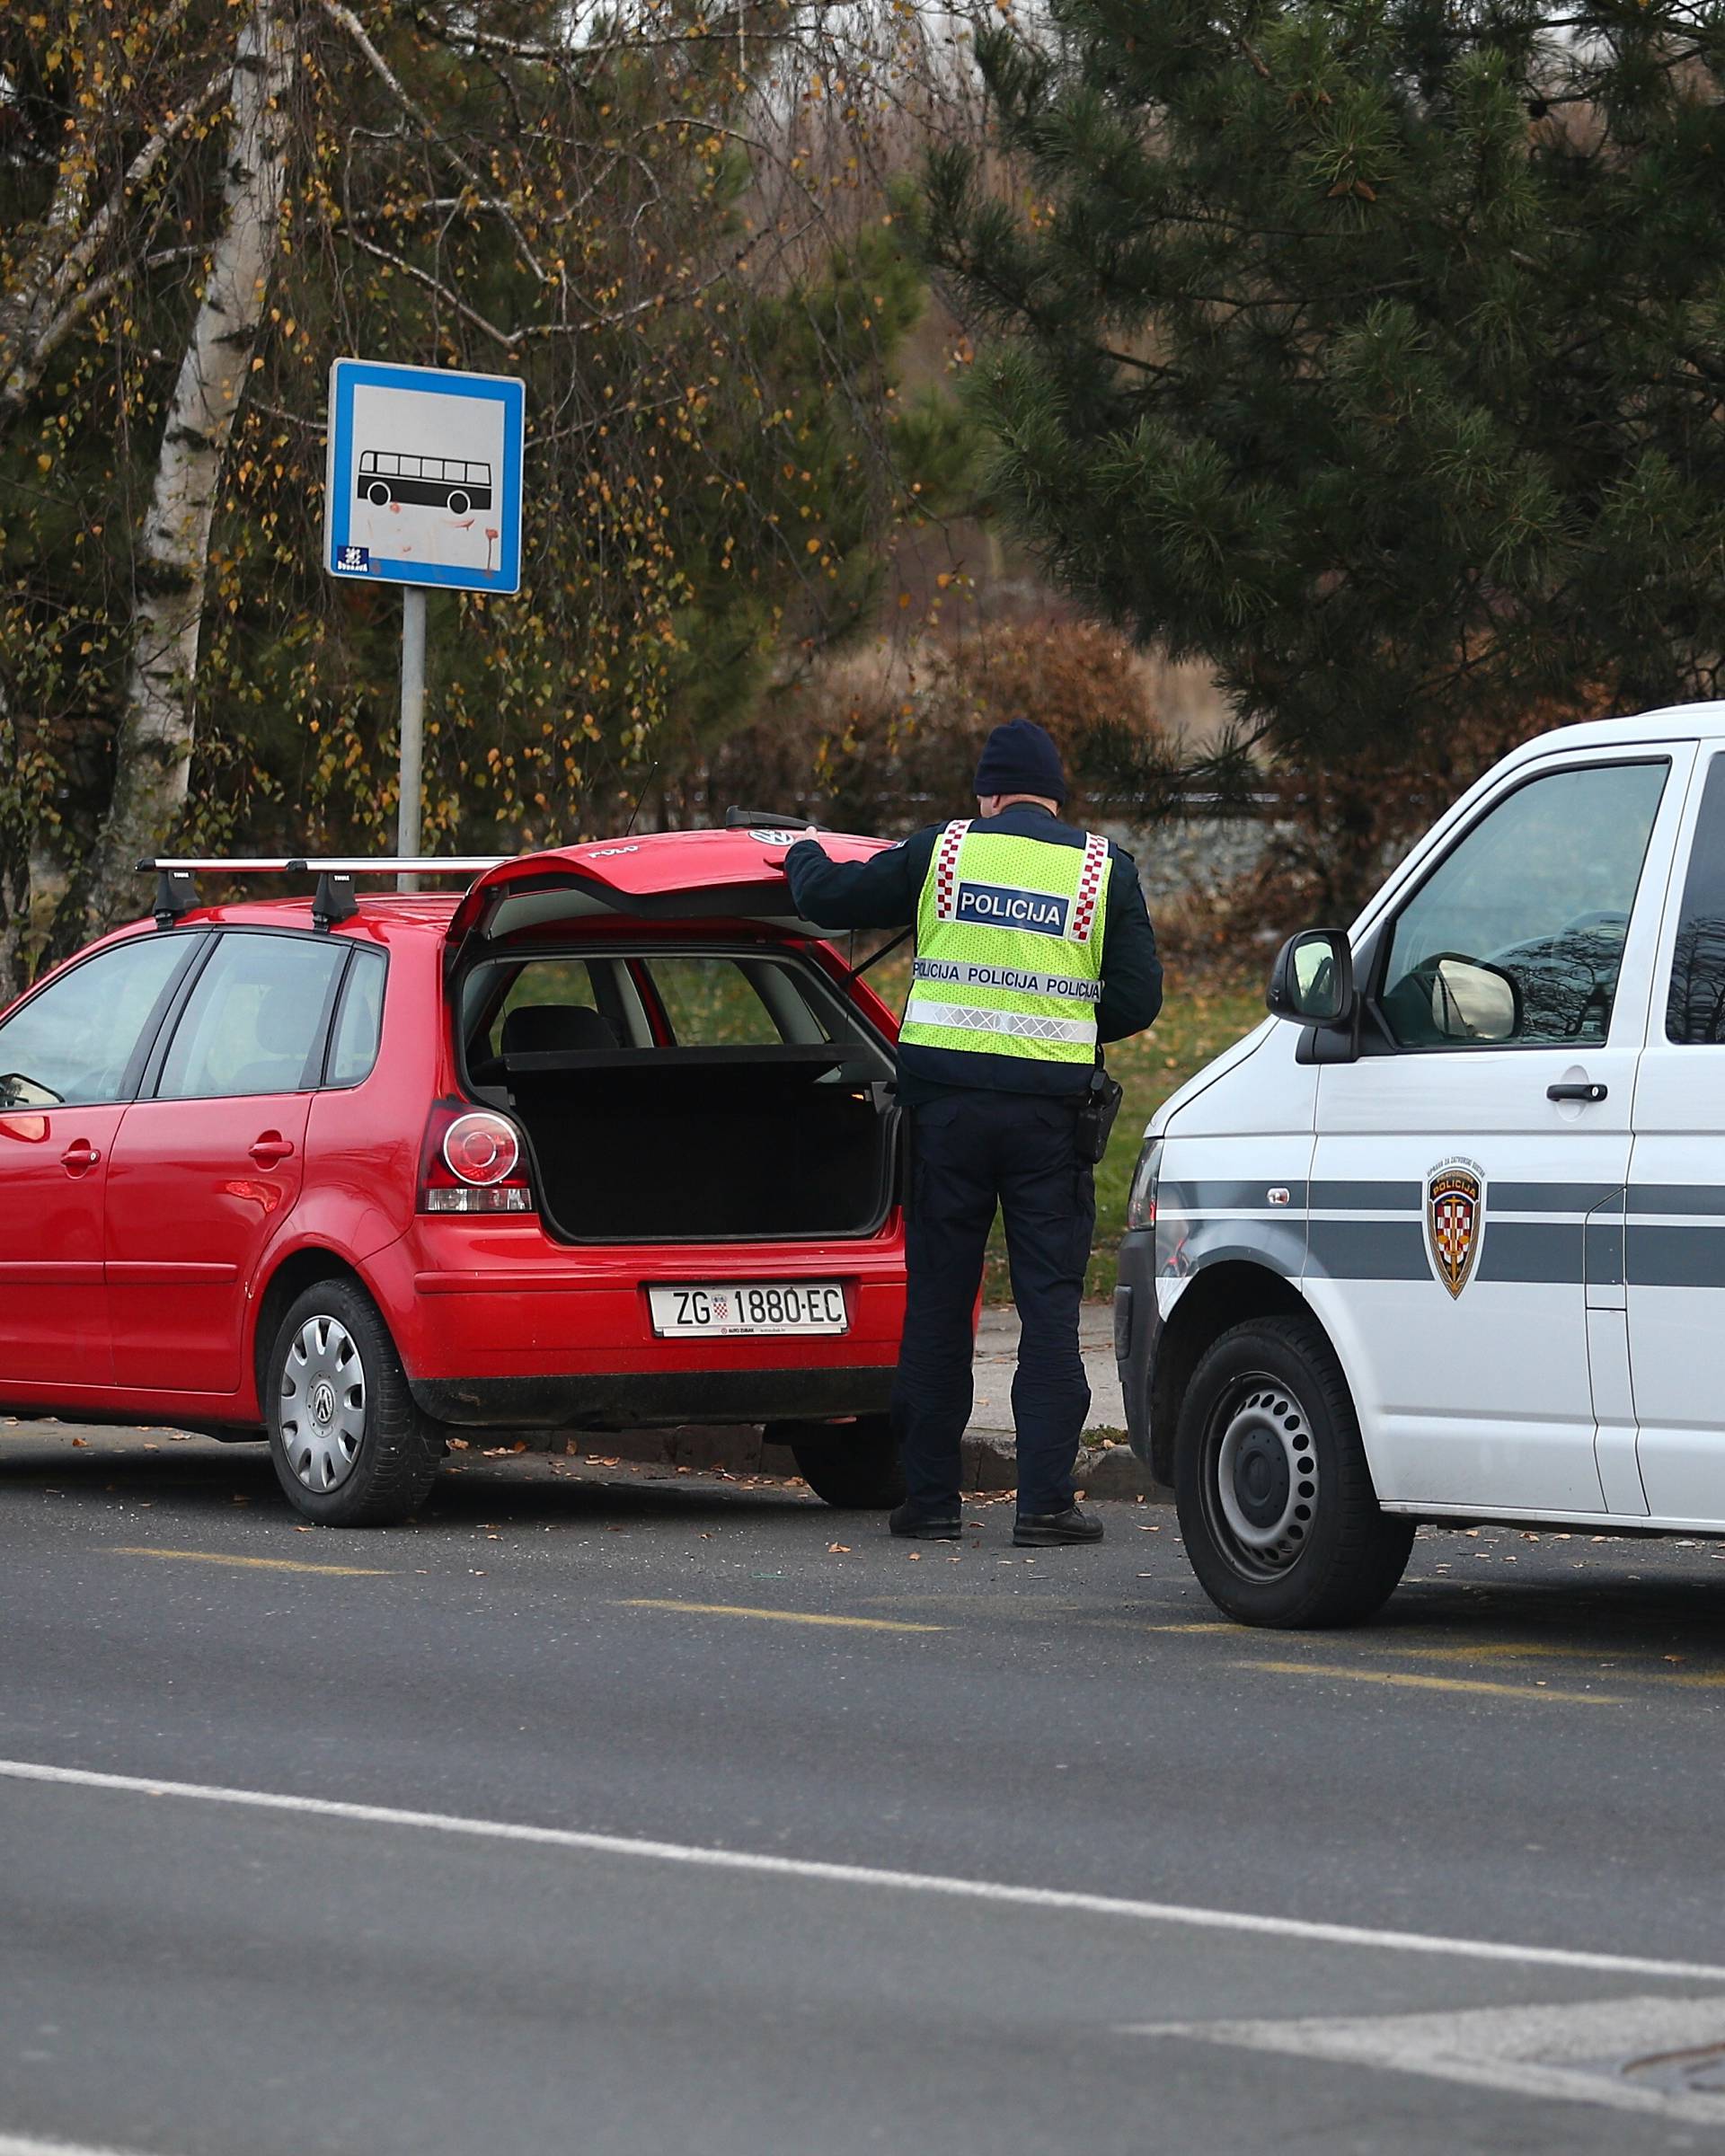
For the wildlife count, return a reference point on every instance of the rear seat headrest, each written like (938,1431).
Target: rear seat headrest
(534,1028)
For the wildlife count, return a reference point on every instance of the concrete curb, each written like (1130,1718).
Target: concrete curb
(1106,1467)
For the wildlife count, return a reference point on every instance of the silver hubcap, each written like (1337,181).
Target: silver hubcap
(1266,1476)
(322,1403)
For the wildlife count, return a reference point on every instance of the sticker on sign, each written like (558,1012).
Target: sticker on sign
(728,1308)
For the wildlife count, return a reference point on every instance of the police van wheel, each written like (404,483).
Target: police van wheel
(348,1445)
(1277,1508)
(851,1466)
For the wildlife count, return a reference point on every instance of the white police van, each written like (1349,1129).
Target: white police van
(1445,1238)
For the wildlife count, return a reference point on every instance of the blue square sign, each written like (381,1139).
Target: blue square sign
(423,479)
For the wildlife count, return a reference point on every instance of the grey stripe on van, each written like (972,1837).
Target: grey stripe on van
(1500,1198)
(1604,1250)
(1367,1197)
(1592,1245)
(1369,1249)
(1675,1257)
(1678,1198)
(1233,1198)
(1551,1197)
(1532,1251)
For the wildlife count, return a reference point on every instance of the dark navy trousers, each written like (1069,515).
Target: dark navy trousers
(971,1152)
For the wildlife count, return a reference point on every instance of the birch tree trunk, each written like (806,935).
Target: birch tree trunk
(15,858)
(153,753)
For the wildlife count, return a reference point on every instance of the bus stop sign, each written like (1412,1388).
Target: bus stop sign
(423,480)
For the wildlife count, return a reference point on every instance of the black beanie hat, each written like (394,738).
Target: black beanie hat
(1020,758)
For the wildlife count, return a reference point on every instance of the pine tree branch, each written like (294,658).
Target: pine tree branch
(350,24)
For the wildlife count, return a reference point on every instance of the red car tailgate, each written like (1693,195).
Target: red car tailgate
(660,876)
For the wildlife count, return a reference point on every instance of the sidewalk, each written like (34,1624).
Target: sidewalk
(1106,1468)
(997,1350)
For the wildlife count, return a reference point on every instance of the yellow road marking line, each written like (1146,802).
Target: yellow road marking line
(1488,1650)
(732,1609)
(264,1564)
(1410,1678)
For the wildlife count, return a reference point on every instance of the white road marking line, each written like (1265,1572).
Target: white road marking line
(24,2144)
(1544,2051)
(867,1875)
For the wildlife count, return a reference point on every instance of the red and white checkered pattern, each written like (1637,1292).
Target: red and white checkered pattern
(946,871)
(1452,1230)
(1090,885)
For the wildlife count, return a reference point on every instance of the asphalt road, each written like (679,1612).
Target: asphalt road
(1054,1860)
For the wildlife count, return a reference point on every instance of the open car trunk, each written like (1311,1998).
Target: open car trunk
(682,1071)
(715,1144)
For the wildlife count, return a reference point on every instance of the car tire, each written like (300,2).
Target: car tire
(349,1446)
(1277,1508)
(852,1467)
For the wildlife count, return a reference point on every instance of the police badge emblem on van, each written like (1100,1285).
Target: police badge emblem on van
(1454,1221)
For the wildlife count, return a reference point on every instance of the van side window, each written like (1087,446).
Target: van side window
(1517,937)
(360,1027)
(1695,1009)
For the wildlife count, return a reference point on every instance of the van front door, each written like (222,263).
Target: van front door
(1675,1251)
(1458,1159)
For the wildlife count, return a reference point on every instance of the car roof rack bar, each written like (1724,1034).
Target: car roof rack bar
(176,892)
(300,864)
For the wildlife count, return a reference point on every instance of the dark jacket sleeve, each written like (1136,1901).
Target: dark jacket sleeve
(881,892)
(1131,970)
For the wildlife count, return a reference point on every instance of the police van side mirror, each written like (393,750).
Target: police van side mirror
(1312,981)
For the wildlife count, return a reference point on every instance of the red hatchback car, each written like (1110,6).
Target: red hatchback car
(607,1141)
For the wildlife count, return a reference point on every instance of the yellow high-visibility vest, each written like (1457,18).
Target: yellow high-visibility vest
(1009,947)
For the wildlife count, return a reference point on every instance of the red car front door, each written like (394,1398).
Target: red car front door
(207,1167)
(53,1309)
(69,1058)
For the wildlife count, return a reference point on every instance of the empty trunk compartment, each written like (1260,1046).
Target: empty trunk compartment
(692,1144)
(685,1092)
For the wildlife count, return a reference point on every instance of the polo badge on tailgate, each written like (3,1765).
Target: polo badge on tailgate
(1454,1221)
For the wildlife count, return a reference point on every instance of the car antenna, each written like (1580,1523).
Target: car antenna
(629,829)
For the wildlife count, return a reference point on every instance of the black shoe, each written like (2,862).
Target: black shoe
(1048,1530)
(927,1527)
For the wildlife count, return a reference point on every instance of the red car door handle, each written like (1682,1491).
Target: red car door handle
(271,1149)
(79,1157)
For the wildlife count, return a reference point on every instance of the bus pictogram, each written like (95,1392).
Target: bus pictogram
(439,482)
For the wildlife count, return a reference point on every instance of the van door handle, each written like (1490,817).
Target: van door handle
(80,1157)
(1581,1090)
(271,1149)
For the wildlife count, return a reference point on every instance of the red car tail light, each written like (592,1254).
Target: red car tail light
(472,1163)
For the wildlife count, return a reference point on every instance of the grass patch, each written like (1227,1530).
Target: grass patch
(1195,1026)
(1197,1023)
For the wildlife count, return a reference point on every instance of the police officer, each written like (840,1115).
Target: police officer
(1034,946)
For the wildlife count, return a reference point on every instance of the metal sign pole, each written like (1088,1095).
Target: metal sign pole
(407,820)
